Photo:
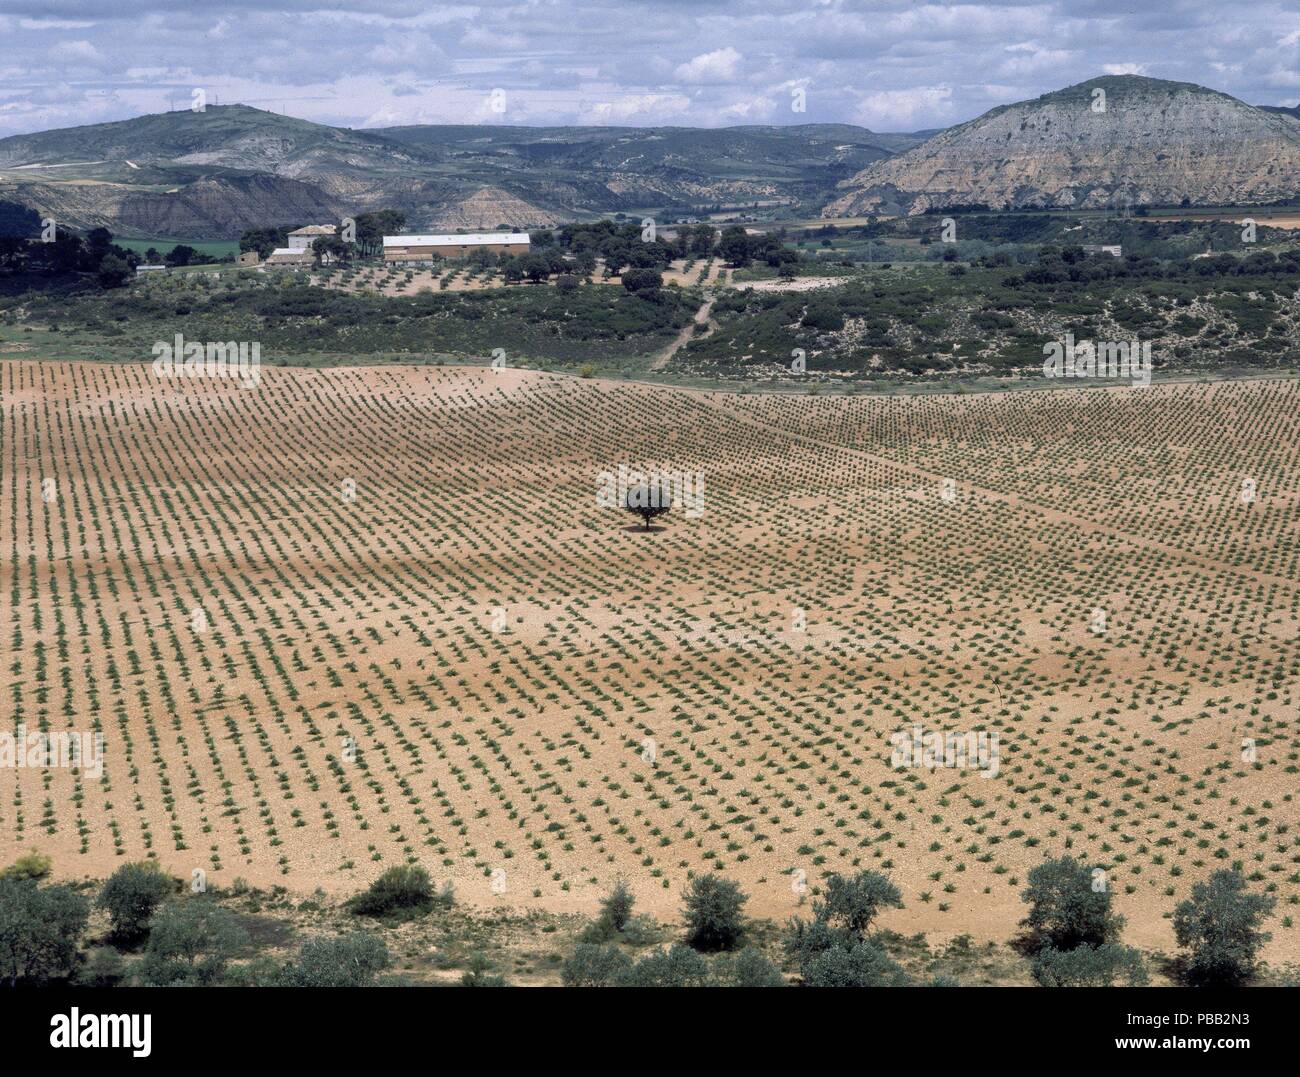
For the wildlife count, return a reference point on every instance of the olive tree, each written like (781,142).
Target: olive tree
(1069,906)
(40,930)
(713,913)
(1220,925)
(131,895)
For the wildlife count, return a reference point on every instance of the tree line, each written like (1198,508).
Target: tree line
(1071,935)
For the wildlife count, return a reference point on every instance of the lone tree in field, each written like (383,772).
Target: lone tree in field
(1219,924)
(1069,906)
(713,913)
(648,501)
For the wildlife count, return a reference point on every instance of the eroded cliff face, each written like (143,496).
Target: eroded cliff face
(487,209)
(1109,142)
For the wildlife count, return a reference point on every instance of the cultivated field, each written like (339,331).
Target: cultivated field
(418,637)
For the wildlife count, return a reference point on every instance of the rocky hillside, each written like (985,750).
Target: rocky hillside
(1155,143)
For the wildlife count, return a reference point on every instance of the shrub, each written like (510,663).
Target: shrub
(862,965)
(642,280)
(591,965)
(477,974)
(403,890)
(1219,924)
(190,944)
(103,968)
(1066,910)
(749,968)
(33,865)
(824,316)
(616,908)
(830,947)
(679,966)
(642,931)
(131,895)
(1089,966)
(350,961)
(713,913)
(615,914)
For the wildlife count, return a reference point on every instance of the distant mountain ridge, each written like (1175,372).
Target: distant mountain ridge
(1122,140)
(212,174)
(192,173)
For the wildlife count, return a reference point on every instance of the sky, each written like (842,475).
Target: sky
(892,65)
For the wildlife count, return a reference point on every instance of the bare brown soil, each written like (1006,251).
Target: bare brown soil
(463,663)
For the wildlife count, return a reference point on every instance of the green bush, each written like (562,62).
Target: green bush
(31,865)
(713,913)
(853,902)
(1067,909)
(131,895)
(615,914)
(862,965)
(1090,966)
(679,966)
(400,891)
(749,968)
(103,968)
(592,965)
(478,974)
(350,961)
(190,944)
(1220,925)
(40,930)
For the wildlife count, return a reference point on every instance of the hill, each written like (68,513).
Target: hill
(154,174)
(1155,143)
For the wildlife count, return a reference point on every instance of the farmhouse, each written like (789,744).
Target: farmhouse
(1115,251)
(427,248)
(301,239)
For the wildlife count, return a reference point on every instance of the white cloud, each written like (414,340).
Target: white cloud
(902,110)
(721,65)
(76,52)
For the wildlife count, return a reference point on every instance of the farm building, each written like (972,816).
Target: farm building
(290,256)
(301,239)
(427,248)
